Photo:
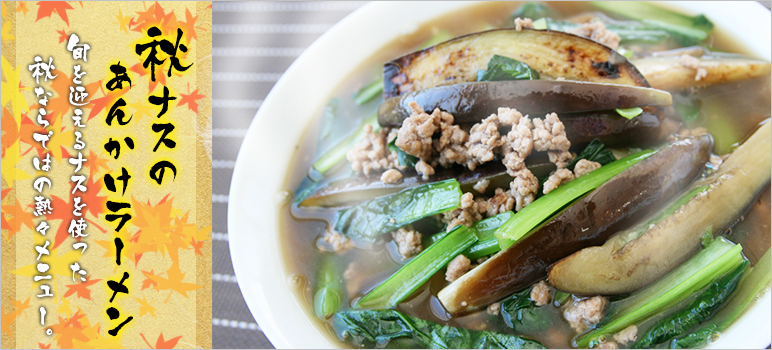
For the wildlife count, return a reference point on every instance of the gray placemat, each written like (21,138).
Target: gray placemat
(254,43)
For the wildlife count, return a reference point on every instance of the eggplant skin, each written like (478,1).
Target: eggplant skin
(660,249)
(551,53)
(613,206)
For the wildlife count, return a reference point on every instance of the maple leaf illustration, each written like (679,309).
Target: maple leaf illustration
(10,89)
(189,26)
(174,282)
(46,8)
(21,6)
(63,35)
(190,99)
(80,289)
(145,307)
(123,21)
(161,343)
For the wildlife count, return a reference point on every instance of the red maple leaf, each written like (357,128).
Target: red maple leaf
(44,346)
(63,36)
(161,343)
(190,99)
(46,8)
(80,289)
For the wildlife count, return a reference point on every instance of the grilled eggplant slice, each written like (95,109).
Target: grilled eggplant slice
(590,221)
(354,190)
(473,102)
(667,72)
(643,260)
(552,53)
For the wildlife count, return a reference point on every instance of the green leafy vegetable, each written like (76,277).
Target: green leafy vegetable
(698,311)
(595,151)
(519,312)
(329,289)
(686,29)
(695,274)
(505,68)
(369,92)
(403,158)
(750,287)
(391,328)
(695,340)
(487,243)
(416,272)
(561,298)
(628,31)
(388,213)
(629,113)
(543,208)
(533,9)
(338,152)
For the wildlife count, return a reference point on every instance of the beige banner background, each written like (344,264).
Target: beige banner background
(168,240)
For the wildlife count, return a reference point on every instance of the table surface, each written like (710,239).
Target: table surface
(254,43)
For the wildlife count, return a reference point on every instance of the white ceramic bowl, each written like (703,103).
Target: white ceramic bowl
(263,162)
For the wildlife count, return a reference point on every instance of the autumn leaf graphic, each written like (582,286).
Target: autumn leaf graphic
(11,88)
(47,8)
(145,307)
(189,26)
(161,343)
(174,282)
(21,6)
(190,99)
(148,282)
(80,289)
(95,163)
(20,217)
(69,330)
(123,21)
(63,35)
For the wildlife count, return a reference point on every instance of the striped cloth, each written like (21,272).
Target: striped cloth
(254,43)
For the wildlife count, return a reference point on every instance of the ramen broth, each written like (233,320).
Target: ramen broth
(731,112)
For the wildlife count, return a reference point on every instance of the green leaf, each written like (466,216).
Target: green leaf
(526,220)
(416,272)
(485,230)
(403,158)
(505,68)
(337,153)
(696,273)
(629,113)
(595,151)
(329,289)
(695,340)
(369,92)
(520,313)
(698,311)
(392,329)
(381,215)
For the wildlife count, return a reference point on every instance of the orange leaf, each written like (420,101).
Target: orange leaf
(44,346)
(148,282)
(63,35)
(95,163)
(106,102)
(145,307)
(197,245)
(20,217)
(174,282)
(10,129)
(190,99)
(80,289)
(21,306)
(168,344)
(69,329)
(155,16)
(46,8)
(189,26)
(21,6)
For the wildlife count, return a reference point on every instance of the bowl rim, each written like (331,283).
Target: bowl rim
(266,290)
